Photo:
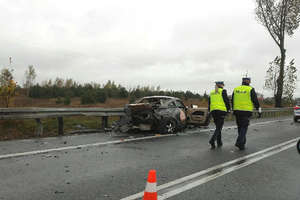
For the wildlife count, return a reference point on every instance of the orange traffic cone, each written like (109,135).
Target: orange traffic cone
(150,191)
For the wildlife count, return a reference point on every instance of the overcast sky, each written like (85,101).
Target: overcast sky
(177,44)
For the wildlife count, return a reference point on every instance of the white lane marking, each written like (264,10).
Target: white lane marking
(78,146)
(188,182)
(13,155)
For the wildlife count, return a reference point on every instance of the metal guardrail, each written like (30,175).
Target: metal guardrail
(59,113)
(104,113)
(270,112)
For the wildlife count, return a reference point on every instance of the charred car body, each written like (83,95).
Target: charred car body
(163,114)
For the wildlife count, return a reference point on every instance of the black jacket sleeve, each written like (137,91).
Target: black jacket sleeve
(226,100)
(209,104)
(232,100)
(254,99)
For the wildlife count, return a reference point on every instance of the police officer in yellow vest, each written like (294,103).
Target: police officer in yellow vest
(244,99)
(218,106)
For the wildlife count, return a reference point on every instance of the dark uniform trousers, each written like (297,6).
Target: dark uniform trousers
(242,121)
(218,117)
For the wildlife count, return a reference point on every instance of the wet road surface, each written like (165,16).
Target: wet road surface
(118,170)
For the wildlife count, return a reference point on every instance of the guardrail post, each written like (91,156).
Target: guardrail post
(104,122)
(39,127)
(60,126)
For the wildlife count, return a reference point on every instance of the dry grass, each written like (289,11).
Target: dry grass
(23,129)
(23,101)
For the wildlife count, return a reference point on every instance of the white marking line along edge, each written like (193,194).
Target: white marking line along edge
(13,155)
(186,183)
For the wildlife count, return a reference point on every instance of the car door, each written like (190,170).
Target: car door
(182,110)
(198,116)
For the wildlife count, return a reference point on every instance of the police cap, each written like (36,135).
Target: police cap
(246,79)
(219,82)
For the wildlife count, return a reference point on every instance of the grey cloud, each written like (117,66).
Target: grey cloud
(134,45)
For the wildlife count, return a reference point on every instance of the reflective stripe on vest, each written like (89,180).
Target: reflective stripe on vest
(242,98)
(216,100)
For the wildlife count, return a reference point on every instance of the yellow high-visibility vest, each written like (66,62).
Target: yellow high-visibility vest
(216,100)
(242,98)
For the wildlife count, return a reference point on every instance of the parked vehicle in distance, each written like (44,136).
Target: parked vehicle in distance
(297,112)
(163,114)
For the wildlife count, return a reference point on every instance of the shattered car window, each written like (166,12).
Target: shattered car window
(171,104)
(179,104)
(153,101)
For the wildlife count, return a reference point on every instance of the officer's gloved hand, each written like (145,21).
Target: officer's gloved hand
(259,112)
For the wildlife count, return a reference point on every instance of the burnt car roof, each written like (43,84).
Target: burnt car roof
(160,97)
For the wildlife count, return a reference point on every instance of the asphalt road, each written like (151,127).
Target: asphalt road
(115,168)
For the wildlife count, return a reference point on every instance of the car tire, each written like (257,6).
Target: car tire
(295,119)
(298,146)
(168,126)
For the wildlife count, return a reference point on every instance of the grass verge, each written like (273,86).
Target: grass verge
(24,129)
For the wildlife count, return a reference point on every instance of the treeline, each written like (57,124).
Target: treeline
(286,102)
(94,92)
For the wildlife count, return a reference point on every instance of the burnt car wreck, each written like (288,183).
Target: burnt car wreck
(163,114)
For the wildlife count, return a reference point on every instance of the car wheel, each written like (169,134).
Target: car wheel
(298,146)
(295,119)
(168,126)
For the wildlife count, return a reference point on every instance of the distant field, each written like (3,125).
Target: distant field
(23,101)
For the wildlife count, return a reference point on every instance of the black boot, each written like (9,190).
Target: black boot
(212,143)
(241,147)
(220,143)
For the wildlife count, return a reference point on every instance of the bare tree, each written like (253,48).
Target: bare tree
(272,76)
(59,82)
(30,76)
(69,83)
(289,78)
(279,17)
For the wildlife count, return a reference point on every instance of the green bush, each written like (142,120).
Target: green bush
(132,99)
(67,100)
(88,98)
(101,96)
(58,100)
